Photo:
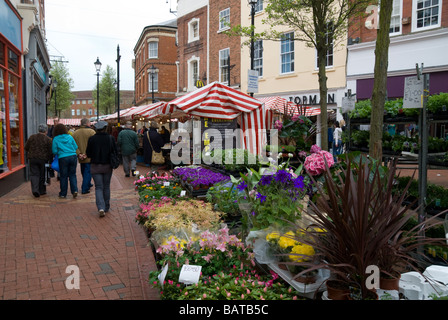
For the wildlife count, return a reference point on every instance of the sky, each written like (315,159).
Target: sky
(80,31)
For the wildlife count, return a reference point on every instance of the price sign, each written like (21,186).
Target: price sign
(413,92)
(190,274)
(348,104)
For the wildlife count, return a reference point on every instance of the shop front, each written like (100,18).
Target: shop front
(12,160)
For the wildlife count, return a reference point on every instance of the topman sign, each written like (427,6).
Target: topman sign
(311,99)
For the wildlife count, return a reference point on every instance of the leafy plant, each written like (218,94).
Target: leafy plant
(363,109)
(298,129)
(437,101)
(225,196)
(361,215)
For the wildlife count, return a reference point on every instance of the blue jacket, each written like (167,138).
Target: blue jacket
(64,146)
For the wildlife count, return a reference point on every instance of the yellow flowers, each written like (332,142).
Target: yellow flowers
(272,236)
(287,240)
(302,252)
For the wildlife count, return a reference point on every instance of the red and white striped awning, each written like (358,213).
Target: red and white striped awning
(67,122)
(161,109)
(216,100)
(282,105)
(219,101)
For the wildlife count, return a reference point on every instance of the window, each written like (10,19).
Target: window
(90,112)
(11,138)
(259,6)
(395,21)
(223,65)
(426,14)
(78,101)
(89,102)
(84,101)
(193,72)
(224,19)
(78,112)
(73,112)
(258,57)
(153,78)
(153,50)
(329,43)
(193,30)
(287,53)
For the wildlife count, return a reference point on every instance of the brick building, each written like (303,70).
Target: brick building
(83,105)
(156,47)
(418,34)
(222,13)
(192,23)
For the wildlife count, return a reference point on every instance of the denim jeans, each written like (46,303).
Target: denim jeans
(86,177)
(102,190)
(67,172)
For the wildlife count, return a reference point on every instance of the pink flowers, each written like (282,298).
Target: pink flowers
(318,161)
(278,125)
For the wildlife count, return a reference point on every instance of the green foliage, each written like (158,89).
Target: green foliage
(237,159)
(437,101)
(107,91)
(62,95)
(224,196)
(363,109)
(392,107)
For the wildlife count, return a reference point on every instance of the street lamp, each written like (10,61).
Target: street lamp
(252,35)
(152,70)
(97,64)
(55,85)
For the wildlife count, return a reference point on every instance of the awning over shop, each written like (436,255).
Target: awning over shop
(67,122)
(219,101)
(284,106)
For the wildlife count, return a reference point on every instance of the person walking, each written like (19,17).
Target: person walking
(128,143)
(38,148)
(64,146)
(81,137)
(152,140)
(99,149)
(337,141)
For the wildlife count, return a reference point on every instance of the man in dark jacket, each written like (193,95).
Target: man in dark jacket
(128,143)
(38,148)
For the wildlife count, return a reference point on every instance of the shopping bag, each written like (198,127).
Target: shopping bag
(55,163)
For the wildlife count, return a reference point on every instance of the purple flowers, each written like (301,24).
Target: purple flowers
(261,197)
(241,186)
(199,176)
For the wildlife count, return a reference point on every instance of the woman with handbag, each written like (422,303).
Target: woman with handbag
(152,147)
(64,146)
(101,149)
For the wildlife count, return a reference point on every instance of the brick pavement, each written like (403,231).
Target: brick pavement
(41,237)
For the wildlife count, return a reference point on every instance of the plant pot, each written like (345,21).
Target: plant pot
(390,283)
(337,291)
(306,279)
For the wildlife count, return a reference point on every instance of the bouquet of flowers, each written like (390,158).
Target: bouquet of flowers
(318,161)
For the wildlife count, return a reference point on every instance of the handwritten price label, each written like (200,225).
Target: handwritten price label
(413,92)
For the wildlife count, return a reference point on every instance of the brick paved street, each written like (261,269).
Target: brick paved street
(40,237)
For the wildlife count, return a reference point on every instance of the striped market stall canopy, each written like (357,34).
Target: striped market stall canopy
(219,101)
(67,122)
(282,105)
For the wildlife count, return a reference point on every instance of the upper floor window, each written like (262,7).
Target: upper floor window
(193,30)
(224,65)
(329,43)
(224,19)
(193,72)
(258,57)
(153,50)
(259,6)
(153,81)
(395,21)
(287,53)
(426,14)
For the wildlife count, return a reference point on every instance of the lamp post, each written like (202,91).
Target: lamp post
(252,34)
(152,70)
(97,64)
(118,83)
(55,85)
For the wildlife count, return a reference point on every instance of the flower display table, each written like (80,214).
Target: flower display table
(305,290)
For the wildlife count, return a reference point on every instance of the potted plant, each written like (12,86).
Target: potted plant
(360,215)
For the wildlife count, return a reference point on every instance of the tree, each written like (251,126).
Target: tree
(380,80)
(313,22)
(108,91)
(62,95)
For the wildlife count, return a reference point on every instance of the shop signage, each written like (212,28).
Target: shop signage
(311,99)
(413,92)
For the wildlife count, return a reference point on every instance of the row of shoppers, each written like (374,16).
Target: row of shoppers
(92,149)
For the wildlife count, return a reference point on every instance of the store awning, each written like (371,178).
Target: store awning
(219,101)
(284,106)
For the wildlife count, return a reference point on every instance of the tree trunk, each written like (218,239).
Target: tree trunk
(323,91)
(380,82)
